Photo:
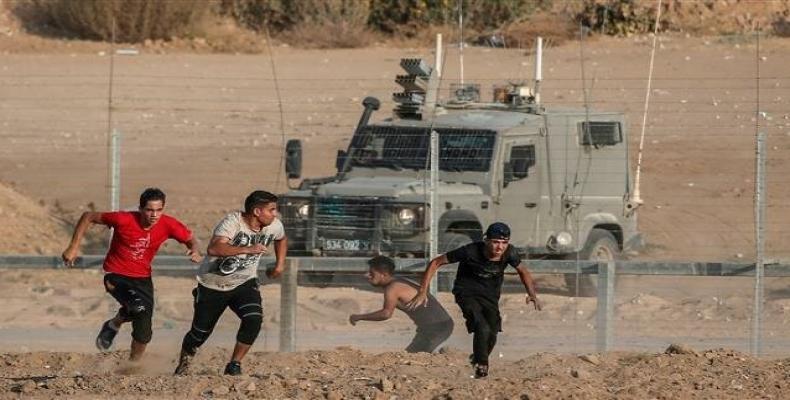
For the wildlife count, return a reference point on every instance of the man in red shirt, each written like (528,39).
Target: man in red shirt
(136,238)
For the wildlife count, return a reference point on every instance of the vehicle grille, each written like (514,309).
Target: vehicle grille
(345,213)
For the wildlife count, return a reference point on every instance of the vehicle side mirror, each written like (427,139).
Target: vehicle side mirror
(341,159)
(293,159)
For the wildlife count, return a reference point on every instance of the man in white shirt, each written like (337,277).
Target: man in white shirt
(229,277)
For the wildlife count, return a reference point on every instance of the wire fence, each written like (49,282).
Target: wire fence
(650,306)
(207,130)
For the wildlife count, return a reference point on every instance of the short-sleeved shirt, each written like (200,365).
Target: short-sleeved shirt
(477,275)
(132,248)
(228,273)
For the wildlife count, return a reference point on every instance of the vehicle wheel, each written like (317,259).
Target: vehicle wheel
(601,246)
(450,241)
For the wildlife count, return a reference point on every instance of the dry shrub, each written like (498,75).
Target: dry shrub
(781,25)
(258,15)
(224,35)
(555,30)
(305,23)
(135,20)
(330,24)
(495,14)
(410,17)
(620,17)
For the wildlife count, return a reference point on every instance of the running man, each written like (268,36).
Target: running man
(136,238)
(477,288)
(434,324)
(229,278)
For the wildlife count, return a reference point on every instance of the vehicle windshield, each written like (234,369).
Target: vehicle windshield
(408,148)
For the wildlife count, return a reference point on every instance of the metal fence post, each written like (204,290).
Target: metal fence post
(434,191)
(115,170)
(288,288)
(605,314)
(759,267)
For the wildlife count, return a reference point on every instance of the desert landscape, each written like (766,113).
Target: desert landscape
(209,128)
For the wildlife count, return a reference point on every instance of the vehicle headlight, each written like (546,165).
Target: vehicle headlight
(406,216)
(560,242)
(303,211)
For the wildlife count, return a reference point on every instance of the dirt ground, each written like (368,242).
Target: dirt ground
(50,318)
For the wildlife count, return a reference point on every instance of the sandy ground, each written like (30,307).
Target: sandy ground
(349,373)
(50,318)
(206,128)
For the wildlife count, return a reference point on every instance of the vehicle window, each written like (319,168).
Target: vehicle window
(522,158)
(601,133)
(405,147)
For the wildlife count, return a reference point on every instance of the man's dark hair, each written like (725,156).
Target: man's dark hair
(151,194)
(382,264)
(257,199)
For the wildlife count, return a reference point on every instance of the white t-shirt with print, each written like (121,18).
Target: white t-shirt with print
(227,273)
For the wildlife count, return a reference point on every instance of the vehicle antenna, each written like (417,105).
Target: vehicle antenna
(636,198)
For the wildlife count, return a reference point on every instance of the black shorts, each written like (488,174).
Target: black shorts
(136,297)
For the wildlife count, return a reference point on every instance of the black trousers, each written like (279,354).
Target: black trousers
(244,301)
(136,296)
(483,321)
(429,337)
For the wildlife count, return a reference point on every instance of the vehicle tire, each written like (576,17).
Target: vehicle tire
(601,246)
(450,241)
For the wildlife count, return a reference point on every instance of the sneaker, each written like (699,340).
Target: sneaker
(183,364)
(481,371)
(233,368)
(106,336)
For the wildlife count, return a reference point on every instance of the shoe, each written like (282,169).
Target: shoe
(481,371)
(233,368)
(106,336)
(472,360)
(183,364)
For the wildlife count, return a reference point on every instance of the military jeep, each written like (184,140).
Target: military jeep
(558,177)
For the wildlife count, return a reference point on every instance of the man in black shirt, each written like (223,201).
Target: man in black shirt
(434,324)
(478,285)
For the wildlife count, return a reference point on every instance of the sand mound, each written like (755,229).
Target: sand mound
(29,228)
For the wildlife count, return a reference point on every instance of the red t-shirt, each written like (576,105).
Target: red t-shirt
(132,247)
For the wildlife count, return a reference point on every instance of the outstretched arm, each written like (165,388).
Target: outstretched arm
(86,220)
(529,284)
(421,298)
(390,300)
(193,250)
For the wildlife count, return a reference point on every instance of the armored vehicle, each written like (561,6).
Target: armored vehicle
(558,177)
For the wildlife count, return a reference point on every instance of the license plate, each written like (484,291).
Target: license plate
(346,245)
